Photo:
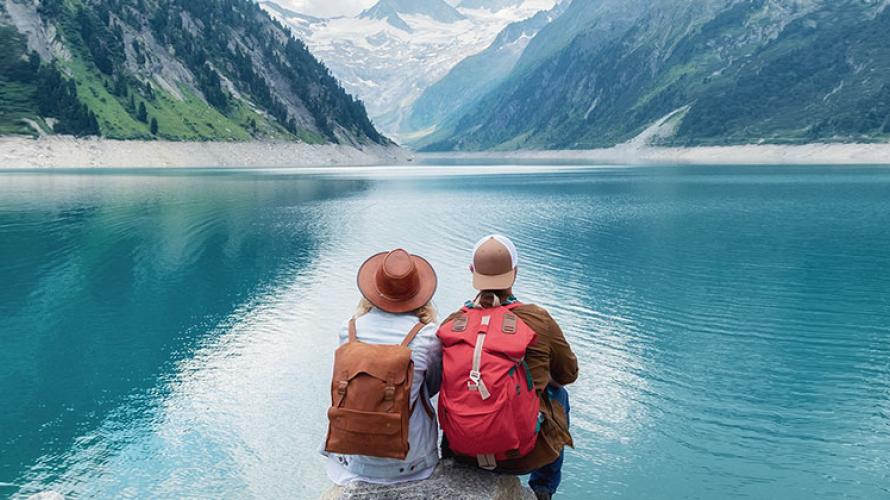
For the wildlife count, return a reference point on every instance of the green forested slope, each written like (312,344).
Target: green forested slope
(173,69)
(737,72)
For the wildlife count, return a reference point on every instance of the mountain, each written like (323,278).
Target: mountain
(491,5)
(171,69)
(437,10)
(388,64)
(473,77)
(708,73)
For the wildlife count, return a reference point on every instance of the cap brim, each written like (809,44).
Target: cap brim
(498,282)
(366,280)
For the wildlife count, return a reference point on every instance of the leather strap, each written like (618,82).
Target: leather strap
(413,333)
(476,383)
(352,337)
(427,406)
(425,402)
(487,461)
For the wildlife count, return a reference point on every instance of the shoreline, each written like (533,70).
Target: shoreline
(808,154)
(71,152)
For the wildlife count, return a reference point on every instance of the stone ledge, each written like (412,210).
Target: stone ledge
(450,481)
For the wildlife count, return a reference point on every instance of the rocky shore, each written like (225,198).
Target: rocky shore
(449,482)
(55,151)
(808,154)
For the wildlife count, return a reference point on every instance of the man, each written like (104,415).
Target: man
(548,360)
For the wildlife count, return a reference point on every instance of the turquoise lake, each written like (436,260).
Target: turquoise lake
(169,333)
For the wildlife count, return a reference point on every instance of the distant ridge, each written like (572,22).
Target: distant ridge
(386,12)
(391,11)
(492,5)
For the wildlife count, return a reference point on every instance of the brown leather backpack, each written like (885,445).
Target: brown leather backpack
(370,398)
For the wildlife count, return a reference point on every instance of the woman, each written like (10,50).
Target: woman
(397,288)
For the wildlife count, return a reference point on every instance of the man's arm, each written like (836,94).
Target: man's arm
(563,363)
(550,358)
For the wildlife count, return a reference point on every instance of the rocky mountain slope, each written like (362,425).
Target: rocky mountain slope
(709,72)
(389,54)
(170,69)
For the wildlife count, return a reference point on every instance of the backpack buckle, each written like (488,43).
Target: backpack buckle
(389,393)
(341,387)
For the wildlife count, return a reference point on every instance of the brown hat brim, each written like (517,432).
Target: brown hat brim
(498,282)
(366,280)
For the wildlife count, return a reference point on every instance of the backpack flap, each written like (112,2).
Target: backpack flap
(386,363)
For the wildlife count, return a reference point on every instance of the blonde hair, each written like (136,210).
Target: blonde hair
(425,313)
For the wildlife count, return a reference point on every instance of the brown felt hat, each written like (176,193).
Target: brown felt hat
(396,281)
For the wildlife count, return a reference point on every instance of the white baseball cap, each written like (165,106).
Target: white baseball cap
(494,263)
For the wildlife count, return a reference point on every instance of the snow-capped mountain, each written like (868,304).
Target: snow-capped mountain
(492,5)
(390,53)
(436,10)
(475,76)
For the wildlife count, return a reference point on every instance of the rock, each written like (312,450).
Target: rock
(46,495)
(450,481)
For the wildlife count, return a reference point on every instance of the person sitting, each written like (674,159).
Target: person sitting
(387,365)
(503,404)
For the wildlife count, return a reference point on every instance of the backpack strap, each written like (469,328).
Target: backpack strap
(413,333)
(352,337)
(476,383)
(425,402)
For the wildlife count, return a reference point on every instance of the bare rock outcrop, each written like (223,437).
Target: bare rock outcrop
(450,481)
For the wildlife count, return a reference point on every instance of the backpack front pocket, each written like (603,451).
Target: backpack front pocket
(354,432)
(476,433)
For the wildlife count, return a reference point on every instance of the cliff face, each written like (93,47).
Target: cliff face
(170,69)
(449,482)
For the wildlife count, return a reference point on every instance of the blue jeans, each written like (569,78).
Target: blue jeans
(548,477)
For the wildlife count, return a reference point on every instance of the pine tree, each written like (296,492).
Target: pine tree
(154,126)
(142,115)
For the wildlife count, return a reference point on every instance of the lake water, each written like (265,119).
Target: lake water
(169,333)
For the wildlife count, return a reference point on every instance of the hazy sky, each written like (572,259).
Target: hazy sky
(327,8)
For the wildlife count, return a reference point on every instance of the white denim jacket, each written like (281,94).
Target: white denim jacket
(379,327)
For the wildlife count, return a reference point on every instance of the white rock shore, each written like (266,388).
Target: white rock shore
(56,151)
(59,152)
(809,154)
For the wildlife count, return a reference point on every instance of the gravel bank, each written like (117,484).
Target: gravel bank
(810,154)
(18,152)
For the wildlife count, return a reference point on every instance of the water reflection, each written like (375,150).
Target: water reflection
(731,323)
(109,280)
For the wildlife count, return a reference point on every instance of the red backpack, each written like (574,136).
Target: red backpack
(488,407)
